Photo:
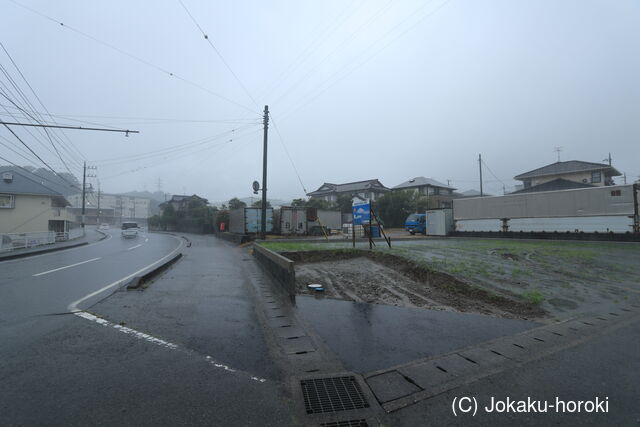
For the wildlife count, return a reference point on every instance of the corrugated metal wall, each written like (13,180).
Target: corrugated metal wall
(601,209)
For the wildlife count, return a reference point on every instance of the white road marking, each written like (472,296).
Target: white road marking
(146,240)
(133,247)
(154,340)
(66,266)
(73,307)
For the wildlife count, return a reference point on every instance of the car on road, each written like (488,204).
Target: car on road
(103,226)
(129,230)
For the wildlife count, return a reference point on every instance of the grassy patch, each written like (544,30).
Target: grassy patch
(534,297)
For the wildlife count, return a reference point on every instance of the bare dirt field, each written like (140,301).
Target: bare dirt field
(519,278)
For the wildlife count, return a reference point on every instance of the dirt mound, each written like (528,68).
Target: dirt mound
(373,277)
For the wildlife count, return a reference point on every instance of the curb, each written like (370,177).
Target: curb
(138,281)
(28,254)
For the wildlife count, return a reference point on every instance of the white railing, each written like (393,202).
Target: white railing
(14,241)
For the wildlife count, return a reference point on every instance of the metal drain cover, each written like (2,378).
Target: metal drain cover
(332,394)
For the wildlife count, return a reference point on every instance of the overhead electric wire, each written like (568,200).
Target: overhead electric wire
(275,126)
(40,176)
(132,56)
(224,61)
(168,150)
(310,97)
(39,100)
(317,41)
(338,47)
(26,100)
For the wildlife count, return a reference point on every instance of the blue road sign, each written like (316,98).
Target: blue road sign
(361,213)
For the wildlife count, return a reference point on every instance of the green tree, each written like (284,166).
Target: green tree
(344,203)
(299,203)
(236,203)
(318,203)
(394,207)
(258,204)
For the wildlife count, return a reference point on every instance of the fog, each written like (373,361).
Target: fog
(357,90)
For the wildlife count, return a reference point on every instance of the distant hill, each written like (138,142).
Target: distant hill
(250,200)
(156,195)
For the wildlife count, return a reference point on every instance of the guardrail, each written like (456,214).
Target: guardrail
(13,241)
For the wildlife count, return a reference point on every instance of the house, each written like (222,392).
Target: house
(30,204)
(181,202)
(123,207)
(371,189)
(440,195)
(470,193)
(564,176)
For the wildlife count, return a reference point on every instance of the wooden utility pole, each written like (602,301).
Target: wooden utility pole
(480,165)
(98,213)
(84,189)
(263,217)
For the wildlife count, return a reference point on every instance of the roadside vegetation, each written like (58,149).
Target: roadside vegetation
(565,278)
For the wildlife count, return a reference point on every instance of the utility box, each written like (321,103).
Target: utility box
(293,221)
(439,222)
(249,220)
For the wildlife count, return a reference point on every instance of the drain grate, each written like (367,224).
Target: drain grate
(332,394)
(349,423)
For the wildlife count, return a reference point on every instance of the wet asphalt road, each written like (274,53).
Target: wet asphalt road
(31,286)
(66,370)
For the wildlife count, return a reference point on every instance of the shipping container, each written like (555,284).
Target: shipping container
(599,209)
(331,220)
(293,221)
(249,220)
(439,222)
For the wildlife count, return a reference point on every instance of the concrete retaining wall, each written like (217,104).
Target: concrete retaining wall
(281,268)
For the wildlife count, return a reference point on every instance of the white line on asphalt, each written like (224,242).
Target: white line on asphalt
(146,240)
(67,266)
(73,307)
(154,340)
(133,247)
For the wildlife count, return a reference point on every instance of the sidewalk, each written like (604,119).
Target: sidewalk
(91,236)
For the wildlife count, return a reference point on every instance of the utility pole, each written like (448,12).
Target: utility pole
(609,159)
(480,165)
(263,217)
(98,214)
(84,189)
(624,176)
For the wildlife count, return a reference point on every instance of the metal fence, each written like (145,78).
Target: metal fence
(14,241)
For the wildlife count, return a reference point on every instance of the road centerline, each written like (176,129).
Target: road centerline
(66,266)
(133,247)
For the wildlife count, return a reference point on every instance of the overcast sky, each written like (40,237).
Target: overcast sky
(358,89)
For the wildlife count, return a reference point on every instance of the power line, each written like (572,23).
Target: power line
(134,57)
(39,100)
(40,176)
(126,131)
(226,64)
(287,152)
(375,53)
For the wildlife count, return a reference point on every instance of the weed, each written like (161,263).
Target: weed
(534,297)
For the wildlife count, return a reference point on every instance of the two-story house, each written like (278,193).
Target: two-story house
(440,195)
(567,175)
(371,189)
(30,204)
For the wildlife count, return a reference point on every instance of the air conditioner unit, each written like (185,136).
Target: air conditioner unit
(7,177)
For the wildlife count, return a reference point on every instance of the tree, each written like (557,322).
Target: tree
(344,203)
(318,203)
(394,207)
(236,203)
(258,204)
(299,203)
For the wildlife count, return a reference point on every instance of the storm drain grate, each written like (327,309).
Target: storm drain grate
(349,423)
(332,394)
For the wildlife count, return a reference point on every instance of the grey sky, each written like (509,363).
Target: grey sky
(378,89)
